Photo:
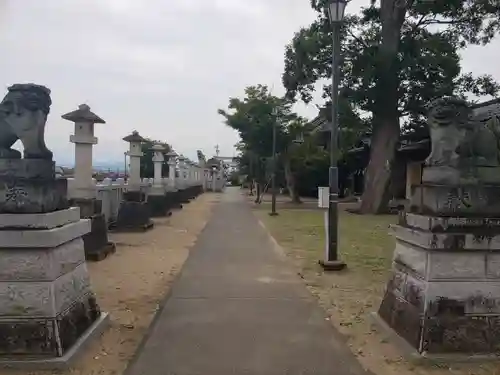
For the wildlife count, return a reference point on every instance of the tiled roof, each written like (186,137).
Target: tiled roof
(484,111)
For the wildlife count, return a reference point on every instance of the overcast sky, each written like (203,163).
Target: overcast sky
(162,67)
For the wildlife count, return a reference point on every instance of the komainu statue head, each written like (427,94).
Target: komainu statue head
(447,111)
(23,114)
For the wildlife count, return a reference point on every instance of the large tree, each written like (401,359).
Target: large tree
(398,55)
(147,166)
(253,117)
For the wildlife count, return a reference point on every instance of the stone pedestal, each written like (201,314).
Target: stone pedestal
(444,293)
(29,186)
(96,243)
(134,213)
(159,205)
(173,199)
(47,307)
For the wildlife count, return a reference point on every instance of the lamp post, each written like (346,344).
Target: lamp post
(274,117)
(332,262)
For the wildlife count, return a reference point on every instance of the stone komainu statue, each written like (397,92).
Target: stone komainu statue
(23,114)
(463,149)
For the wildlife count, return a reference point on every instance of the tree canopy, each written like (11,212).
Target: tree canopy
(147,167)
(397,57)
(428,60)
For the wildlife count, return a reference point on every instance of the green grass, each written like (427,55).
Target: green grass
(364,243)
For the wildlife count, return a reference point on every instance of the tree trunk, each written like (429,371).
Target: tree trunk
(376,193)
(290,182)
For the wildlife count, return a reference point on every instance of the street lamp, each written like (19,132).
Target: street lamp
(274,117)
(336,9)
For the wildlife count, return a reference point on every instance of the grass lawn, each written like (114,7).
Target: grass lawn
(351,295)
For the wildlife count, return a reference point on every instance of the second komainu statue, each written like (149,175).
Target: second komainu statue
(464,150)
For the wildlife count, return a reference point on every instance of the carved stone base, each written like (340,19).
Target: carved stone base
(133,216)
(32,196)
(462,200)
(444,292)
(46,300)
(47,337)
(158,205)
(29,186)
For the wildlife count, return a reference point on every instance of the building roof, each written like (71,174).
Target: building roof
(486,110)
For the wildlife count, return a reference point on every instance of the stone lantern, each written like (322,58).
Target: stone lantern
(84,140)
(134,213)
(83,193)
(135,153)
(157,200)
(158,160)
(172,163)
(173,194)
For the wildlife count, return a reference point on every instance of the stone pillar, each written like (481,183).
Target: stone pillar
(48,310)
(97,246)
(134,213)
(443,296)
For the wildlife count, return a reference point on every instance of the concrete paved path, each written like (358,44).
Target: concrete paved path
(239,308)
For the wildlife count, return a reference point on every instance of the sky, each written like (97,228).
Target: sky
(161,67)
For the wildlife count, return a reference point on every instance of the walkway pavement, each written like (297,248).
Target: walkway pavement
(239,308)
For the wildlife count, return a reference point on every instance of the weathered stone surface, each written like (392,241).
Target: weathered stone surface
(133,216)
(40,264)
(454,266)
(446,241)
(23,114)
(493,265)
(134,196)
(480,201)
(46,220)
(96,243)
(70,287)
(43,298)
(45,238)
(32,195)
(88,207)
(450,224)
(49,336)
(444,293)
(158,205)
(411,257)
(27,168)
